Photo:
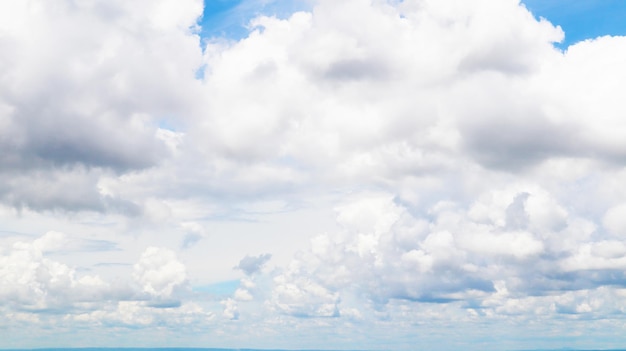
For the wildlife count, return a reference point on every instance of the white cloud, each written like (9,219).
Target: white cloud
(78,95)
(32,282)
(615,220)
(242,295)
(304,298)
(231,311)
(460,255)
(602,255)
(474,174)
(159,272)
(44,292)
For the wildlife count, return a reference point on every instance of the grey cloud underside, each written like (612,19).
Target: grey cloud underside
(437,288)
(253,264)
(46,133)
(67,189)
(535,284)
(516,216)
(357,69)
(77,99)
(518,140)
(513,144)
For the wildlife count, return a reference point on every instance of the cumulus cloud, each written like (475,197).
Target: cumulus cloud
(304,124)
(159,272)
(42,290)
(78,97)
(231,311)
(475,175)
(32,282)
(304,298)
(475,254)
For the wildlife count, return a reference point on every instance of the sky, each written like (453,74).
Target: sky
(362,174)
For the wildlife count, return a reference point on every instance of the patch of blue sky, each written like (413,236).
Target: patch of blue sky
(168,123)
(223,288)
(582,19)
(229,19)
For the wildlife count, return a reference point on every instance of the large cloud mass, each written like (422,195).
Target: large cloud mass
(473,170)
(78,98)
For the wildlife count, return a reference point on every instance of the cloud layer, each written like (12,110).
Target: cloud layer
(417,171)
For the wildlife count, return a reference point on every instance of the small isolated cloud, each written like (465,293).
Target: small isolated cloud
(194,232)
(231,310)
(253,264)
(159,273)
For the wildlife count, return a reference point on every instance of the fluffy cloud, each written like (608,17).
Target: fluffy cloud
(614,220)
(231,310)
(159,272)
(475,175)
(32,282)
(304,298)
(42,290)
(77,94)
(481,255)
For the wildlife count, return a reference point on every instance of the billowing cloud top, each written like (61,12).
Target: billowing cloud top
(428,172)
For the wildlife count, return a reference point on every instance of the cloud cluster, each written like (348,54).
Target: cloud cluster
(516,242)
(32,283)
(475,170)
(78,100)
(483,136)
(159,273)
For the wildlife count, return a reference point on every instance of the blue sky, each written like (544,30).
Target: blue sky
(582,19)
(229,18)
(353,175)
